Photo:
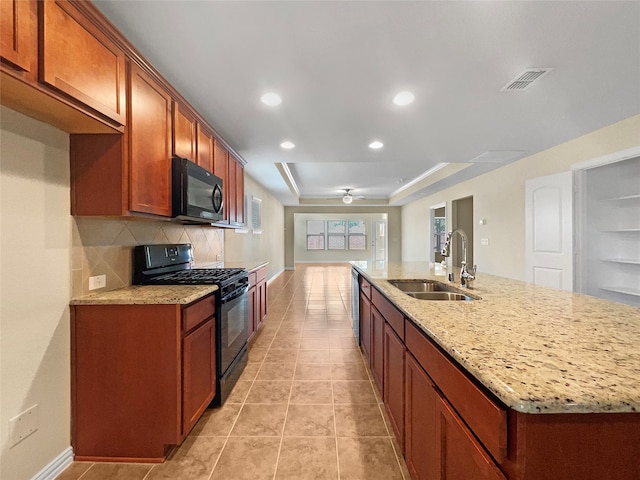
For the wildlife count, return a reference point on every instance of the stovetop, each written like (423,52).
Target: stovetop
(171,264)
(198,276)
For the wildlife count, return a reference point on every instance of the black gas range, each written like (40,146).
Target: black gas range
(171,264)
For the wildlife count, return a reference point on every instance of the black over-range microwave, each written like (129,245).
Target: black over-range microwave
(197,193)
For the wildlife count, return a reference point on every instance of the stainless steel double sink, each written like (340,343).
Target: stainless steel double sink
(429,290)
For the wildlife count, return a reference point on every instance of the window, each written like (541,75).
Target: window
(256,215)
(336,235)
(337,230)
(357,237)
(315,235)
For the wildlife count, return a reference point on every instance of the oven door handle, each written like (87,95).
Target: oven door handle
(235,294)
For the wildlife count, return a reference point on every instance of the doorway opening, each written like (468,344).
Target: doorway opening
(438,232)
(462,217)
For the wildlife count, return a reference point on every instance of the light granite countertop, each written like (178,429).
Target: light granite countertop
(147,294)
(539,350)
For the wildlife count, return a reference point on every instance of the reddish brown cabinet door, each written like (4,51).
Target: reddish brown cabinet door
(393,395)
(254,309)
(262,301)
(184,133)
(198,373)
(460,456)
(236,191)
(365,326)
(377,347)
(220,169)
(149,145)
(94,73)
(18,33)
(204,147)
(420,423)
(230,191)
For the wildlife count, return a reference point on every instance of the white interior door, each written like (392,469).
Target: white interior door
(549,231)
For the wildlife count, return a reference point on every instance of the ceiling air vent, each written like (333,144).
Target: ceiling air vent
(525,79)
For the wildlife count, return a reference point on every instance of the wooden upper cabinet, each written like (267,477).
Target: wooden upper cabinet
(204,148)
(184,132)
(19,34)
(232,204)
(149,145)
(238,192)
(80,61)
(220,169)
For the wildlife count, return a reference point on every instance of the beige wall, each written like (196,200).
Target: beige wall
(498,197)
(266,246)
(393,227)
(35,287)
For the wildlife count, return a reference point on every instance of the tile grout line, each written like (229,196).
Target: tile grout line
(286,414)
(244,401)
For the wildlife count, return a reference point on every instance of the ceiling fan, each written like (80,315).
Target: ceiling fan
(348,198)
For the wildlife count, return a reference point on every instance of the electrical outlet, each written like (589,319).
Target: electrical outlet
(218,257)
(99,281)
(23,425)
(484,241)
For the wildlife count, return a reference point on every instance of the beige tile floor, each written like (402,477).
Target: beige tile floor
(304,408)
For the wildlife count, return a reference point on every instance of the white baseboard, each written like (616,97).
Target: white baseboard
(56,466)
(275,275)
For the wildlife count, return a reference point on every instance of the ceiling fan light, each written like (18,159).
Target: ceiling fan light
(271,99)
(347,198)
(403,98)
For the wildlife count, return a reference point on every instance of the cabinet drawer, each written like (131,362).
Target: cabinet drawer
(261,274)
(195,313)
(252,279)
(485,418)
(389,312)
(365,287)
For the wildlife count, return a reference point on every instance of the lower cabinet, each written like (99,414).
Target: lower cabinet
(141,376)
(377,347)
(365,326)
(420,422)
(257,298)
(198,373)
(459,455)
(393,380)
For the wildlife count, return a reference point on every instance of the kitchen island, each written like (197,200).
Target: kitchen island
(558,373)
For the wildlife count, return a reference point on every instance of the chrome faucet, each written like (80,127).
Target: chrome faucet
(466,276)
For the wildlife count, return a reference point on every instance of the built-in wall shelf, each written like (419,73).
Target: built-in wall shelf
(621,199)
(610,249)
(629,261)
(627,291)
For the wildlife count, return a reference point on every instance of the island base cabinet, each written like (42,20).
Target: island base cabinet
(393,380)
(459,455)
(377,348)
(585,446)
(365,326)
(420,422)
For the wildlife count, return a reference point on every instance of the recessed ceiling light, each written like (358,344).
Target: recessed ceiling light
(288,145)
(403,98)
(376,145)
(272,99)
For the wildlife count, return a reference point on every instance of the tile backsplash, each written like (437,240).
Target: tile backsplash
(105,247)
